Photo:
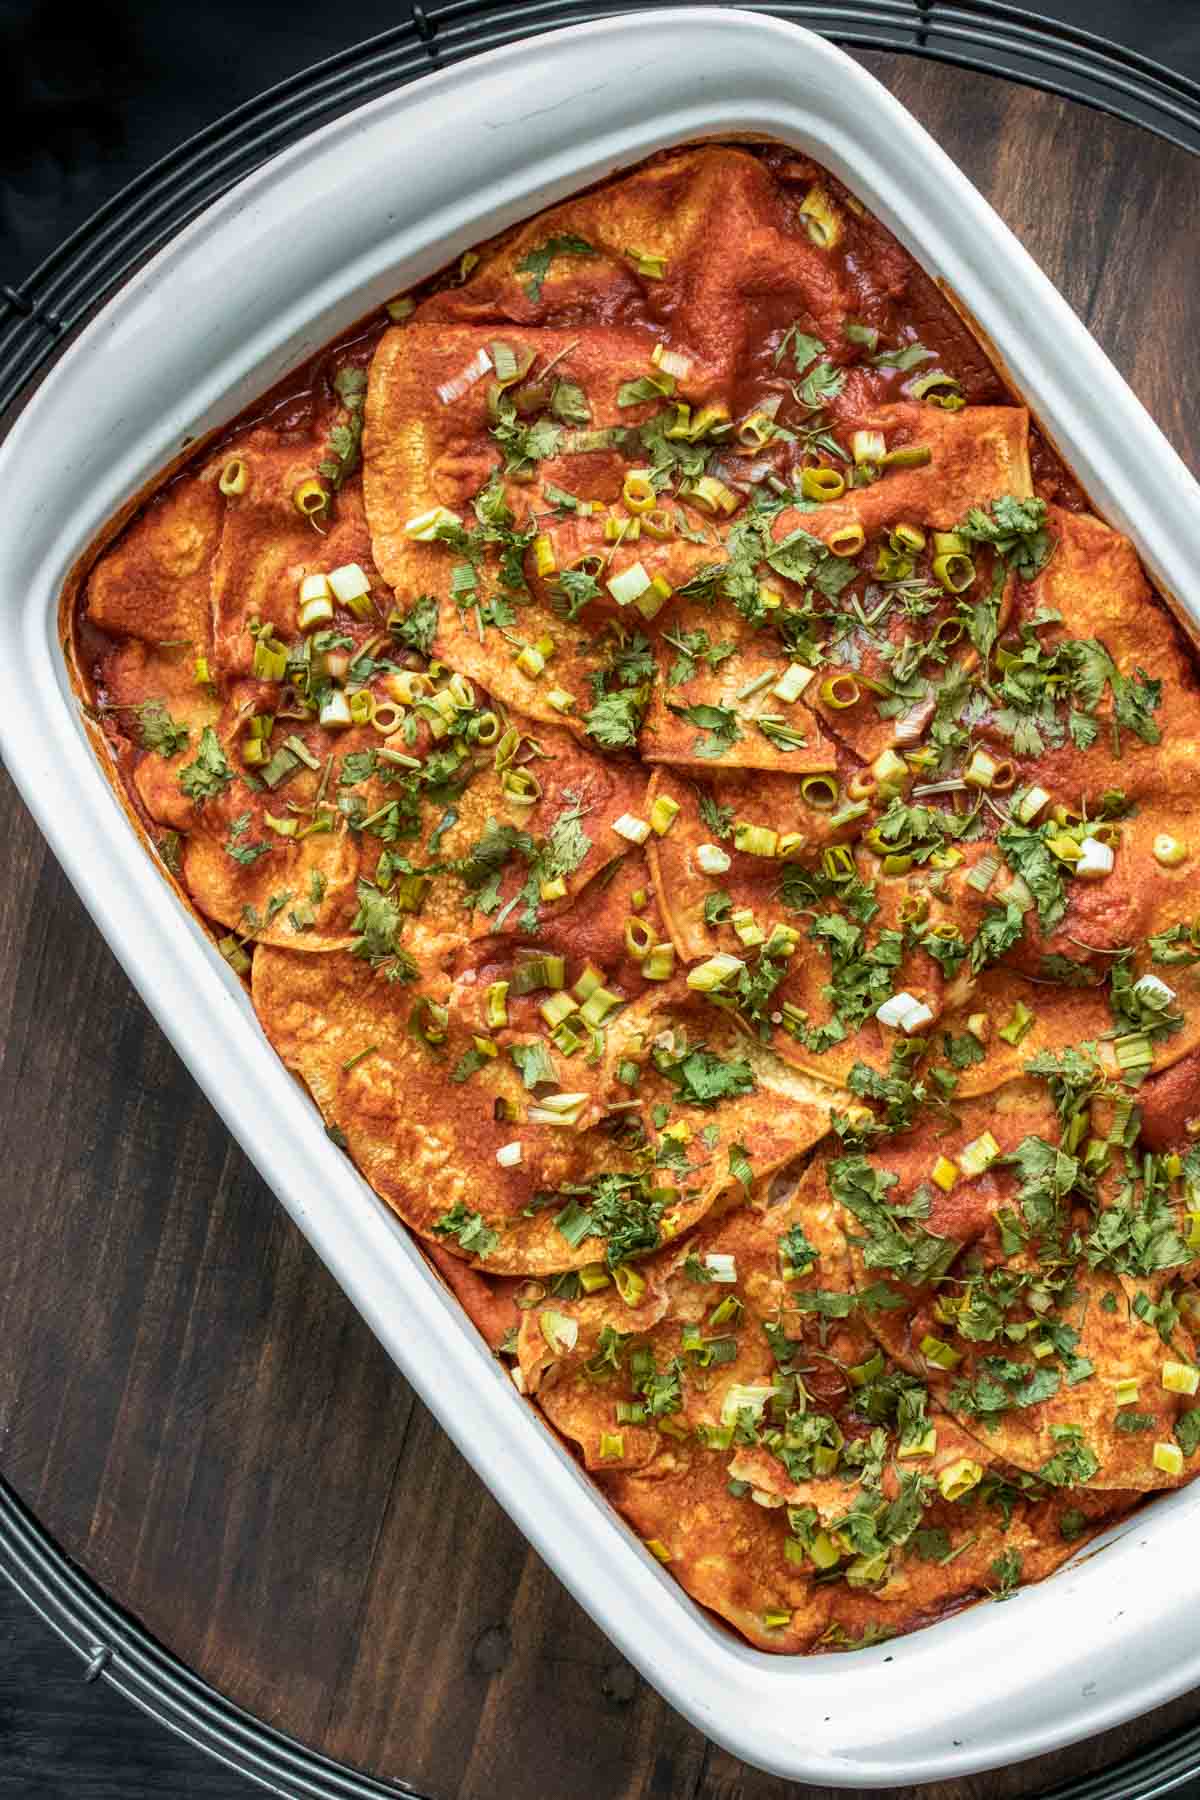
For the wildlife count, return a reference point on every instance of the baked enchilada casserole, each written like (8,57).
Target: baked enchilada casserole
(710,816)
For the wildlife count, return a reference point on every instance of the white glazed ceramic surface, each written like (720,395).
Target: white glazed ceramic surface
(297,252)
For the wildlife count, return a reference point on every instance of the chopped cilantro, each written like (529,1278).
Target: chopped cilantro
(209,775)
(1135,1421)
(719,723)
(739,1165)
(1016,529)
(536,263)
(717,907)
(718,819)
(701,1078)
(795,1252)
(468,1227)
(159,731)
(417,628)
(378,923)
(1007,1570)
(1029,856)
(1187,1431)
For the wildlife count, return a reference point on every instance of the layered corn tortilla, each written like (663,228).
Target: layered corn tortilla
(708,816)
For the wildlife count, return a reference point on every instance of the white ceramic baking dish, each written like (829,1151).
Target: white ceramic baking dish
(294,254)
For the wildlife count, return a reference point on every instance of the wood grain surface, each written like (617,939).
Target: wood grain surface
(194,1409)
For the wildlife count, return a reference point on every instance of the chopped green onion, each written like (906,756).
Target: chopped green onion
(598,1004)
(310,498)
(1095,860)
(1168,1458)
(820,792)
(822,484)
(909,456)
(840,691)
(1019,1024)
(647,263)
(558,1007)
(748,932)
(534,972)
(959,1477)
(1180,1378)
(938,1352)
(861,1373)
(1135,1054)
(660,964)
(954,572)
(792,682)
(847,540)
(755,840)
(981,771)
(867,447)
(630,1285)
(712,974)
(496,1004)
(663,814)
(1169,851)
(984,873)
(234,955)
(712,860)
(270,660)
(424,527)
(1030,804)
(335,714)
(979,1154)
(639,937)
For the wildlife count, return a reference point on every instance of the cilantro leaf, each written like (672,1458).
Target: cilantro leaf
(209,775)
(718,723)
(159,731)
(909,356)
(468,1227)
(717,818)
(718,905)
(1187,1431)
(1136,1235)
(795,1252)
(1029,856)
(1002,927)
(615,720)
(1007,1570)
(524,444)
(1016,529)
(417,628)
(569,404)
(1073,1464)
(805,349)
(379,923)
(574,589)
(701,1078)
(536,264)
(620,1210)
(824,382)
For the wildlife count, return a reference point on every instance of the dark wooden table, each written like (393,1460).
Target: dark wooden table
(190,1404)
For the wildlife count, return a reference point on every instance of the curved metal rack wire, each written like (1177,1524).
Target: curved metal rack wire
(987,35)
(41,312)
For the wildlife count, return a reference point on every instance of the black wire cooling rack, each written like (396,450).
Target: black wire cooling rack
(37,316)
